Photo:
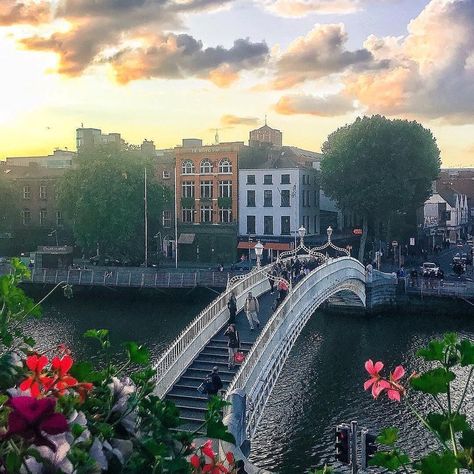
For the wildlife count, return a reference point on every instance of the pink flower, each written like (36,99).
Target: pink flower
(396,389)
(195,461)
(207,449)
(376,382)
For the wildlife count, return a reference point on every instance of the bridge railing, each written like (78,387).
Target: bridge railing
(335,274)
(197,334)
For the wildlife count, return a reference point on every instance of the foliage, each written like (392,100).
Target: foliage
(224,202)
(447,424)
(62,416)
(379,168)
(187,202)
(104,198)
(9,208)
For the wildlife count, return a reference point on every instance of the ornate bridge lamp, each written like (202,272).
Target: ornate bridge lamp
(258,253)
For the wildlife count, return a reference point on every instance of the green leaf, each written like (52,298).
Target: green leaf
(77,429)
(388,436)
(391,460)
(29,341)
(450,339)
(440,424)
(99,334)
(467,439)
(13,462)
(466,349)
(433,381)
(137,354)
(82,371)
(434,351)
(434,463)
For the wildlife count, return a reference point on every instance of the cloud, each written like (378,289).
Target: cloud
(13,12)
(233,120)
(430,71)
(137,32)
(329,106)
(299,8)
(179,56)
(320,53)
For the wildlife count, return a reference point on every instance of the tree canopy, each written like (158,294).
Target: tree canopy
(378,168)
(104,198)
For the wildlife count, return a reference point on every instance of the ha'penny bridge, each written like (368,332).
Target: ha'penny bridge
(202,344)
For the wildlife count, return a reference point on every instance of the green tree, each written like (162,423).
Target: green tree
(379,168)
(104,198)
(9,206)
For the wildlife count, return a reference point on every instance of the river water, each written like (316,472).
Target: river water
(320,386)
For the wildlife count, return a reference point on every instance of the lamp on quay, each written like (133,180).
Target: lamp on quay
(302,233)
(258,252)
(329,232)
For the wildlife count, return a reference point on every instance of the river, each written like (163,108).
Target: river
(321,384)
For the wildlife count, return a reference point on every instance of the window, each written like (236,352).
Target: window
(225,189)
(206,167)
(43,215)
(188,215)
(267,198)
(250,198)
(267,179)
(26,216)
(166,219)
(187,167)
(285,179)
(225,215)
(447,215)
(43,192)
(250,179)
(316,198)
(206,213)
(59,219)
(305,179)
(285,225)
(166,175)
(225,166)
(268,225)
(206,189)
(250,224)
(285,198)
(306,223)
(305,198)
(188,189)
(26,192)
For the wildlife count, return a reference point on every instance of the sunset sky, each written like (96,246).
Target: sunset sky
(168,69)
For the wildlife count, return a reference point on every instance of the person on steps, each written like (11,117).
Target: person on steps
(251,309)
(213,383)
(233,345)
(232,306)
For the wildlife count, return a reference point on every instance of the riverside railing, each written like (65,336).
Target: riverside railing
(260,370)
(197,334)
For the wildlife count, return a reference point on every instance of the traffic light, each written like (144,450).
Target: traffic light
(369,448)
(343,444)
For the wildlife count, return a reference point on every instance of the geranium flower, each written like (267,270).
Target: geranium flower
(230,457)
(396,389)
(195,461)
(37,380)
(376,382)
(30,417)
(207,449)
(63,380)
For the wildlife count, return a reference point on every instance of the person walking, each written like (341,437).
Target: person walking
(233,344)
(251,309)
(213,383)
(232,306)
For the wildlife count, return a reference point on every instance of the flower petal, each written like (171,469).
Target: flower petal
(368,383)
(393,395)
(379,387)
(195,461)
(55,424)
(369,366)
(378,367)
(398,373)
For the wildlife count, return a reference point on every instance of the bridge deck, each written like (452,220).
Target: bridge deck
(191,403)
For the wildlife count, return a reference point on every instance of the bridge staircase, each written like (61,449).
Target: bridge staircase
(191,403)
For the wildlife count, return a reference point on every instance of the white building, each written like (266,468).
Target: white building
(59,159)
(274,203)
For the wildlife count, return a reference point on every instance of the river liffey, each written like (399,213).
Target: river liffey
(320,386)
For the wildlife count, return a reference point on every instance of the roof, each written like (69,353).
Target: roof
(265,127)
(26,172)
(186,238)
(284,157)
(447,193)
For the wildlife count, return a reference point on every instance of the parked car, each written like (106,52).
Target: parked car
(108,261)
(242,266)
(429,268)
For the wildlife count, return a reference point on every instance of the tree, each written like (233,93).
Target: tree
(379,168)
(8,207)
(104,198)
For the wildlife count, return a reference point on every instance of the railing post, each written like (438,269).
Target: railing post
(116,278)
(80,277)
(67,279)
(156,278)
(129,279)
(44,275)
(143,280)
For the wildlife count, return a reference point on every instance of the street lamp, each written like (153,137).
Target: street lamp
(55,232)
(329,232)
(302,233)
(258,252)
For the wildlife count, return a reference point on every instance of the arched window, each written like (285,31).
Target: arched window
(206,167)
(225,166)
(187,167)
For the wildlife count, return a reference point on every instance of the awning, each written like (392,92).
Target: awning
(186,238)
(277,246)
(246,245)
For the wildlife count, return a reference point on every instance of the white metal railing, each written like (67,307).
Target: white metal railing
(262,365)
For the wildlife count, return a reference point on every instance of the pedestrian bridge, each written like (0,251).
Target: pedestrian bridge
(202,343)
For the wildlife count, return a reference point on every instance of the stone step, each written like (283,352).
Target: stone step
(201,373)
(187,400)
(193,383)
(192,378)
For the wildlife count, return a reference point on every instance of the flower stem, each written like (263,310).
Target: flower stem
(465,390)
(451,431)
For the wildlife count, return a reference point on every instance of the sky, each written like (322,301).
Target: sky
(169,69)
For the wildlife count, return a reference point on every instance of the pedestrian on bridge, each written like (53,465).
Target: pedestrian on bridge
(233,345)
(213,383)
(232,306)
(251,309)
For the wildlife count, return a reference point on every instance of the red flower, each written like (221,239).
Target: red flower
(62,366)
(396,389)
(207,449)
(37,379)
(195,461)
(376,382)
(30,417)
(230,457)
(83,389)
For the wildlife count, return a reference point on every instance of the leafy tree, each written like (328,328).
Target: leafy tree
(104,199)
(379,168)
(9,206)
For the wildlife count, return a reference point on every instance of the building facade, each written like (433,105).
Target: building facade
(91,137)
(274,203)
(265,136)
(59,159)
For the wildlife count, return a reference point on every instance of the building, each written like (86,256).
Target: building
(265,136)
(59,159)
(206,191)
(40,220)
(274,203)
(91,137)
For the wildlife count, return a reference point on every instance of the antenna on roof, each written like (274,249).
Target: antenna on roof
(216,137)
(82,124)
(265,119)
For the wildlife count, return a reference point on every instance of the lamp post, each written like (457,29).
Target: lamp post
(55,232)
(329,232)
(258,252)
(302,233)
